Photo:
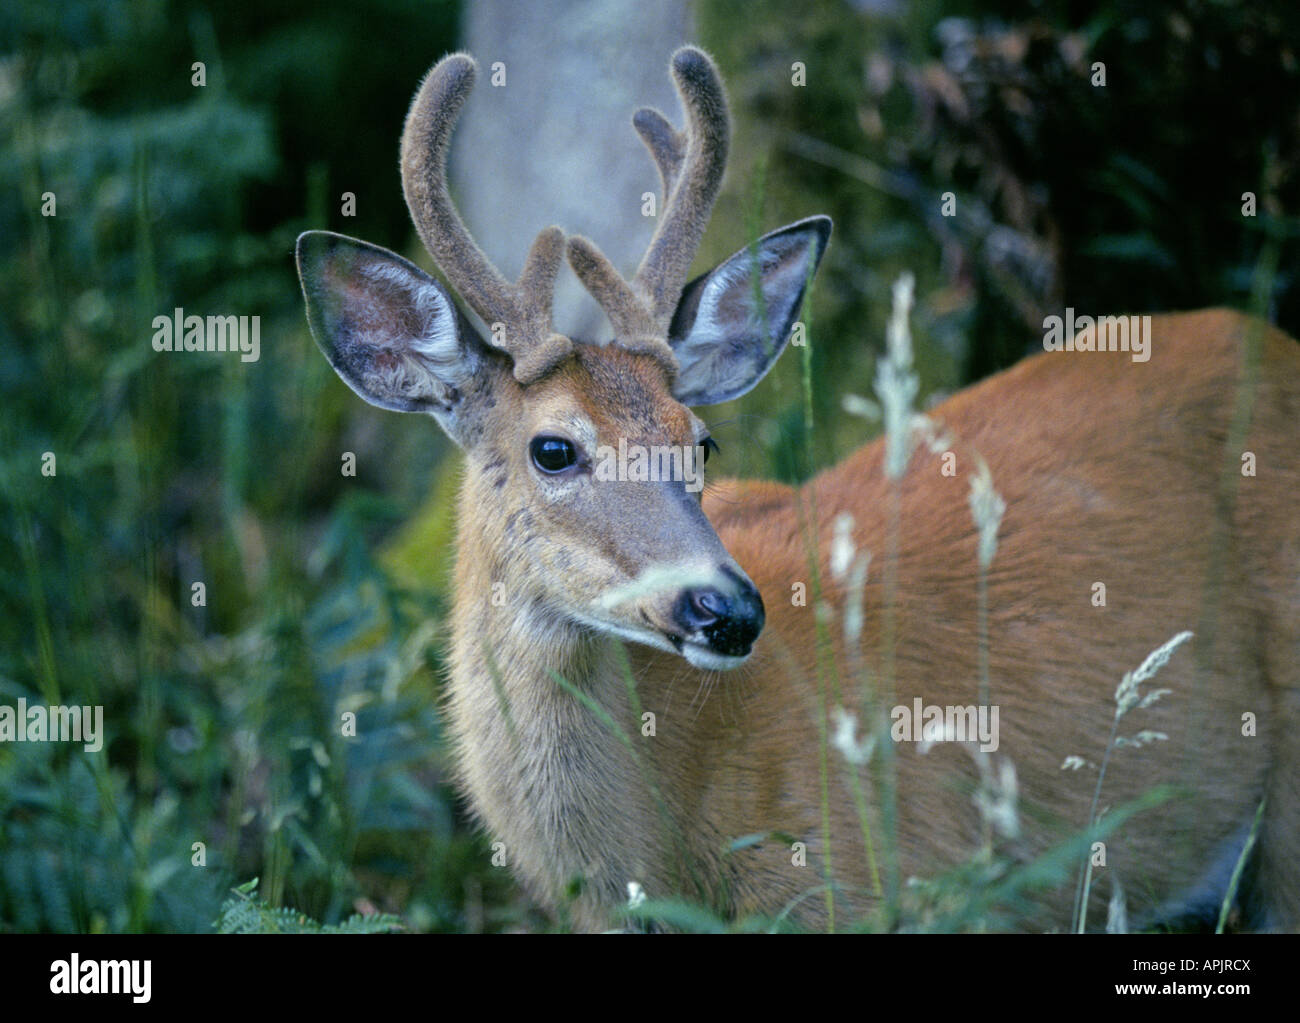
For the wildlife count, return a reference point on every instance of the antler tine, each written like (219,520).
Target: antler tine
(696,177)
(666,145)
(627,313)
(690,165)
(524,309)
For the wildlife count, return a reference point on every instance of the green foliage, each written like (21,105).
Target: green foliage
(79,855)
(246,913)
(223,717)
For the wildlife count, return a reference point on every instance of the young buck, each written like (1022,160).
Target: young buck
(635,683)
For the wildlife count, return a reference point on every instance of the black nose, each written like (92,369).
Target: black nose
(729,620)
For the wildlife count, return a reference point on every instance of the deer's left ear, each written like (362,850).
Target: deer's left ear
(733,322)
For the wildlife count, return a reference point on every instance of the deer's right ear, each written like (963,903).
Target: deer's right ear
(389,329)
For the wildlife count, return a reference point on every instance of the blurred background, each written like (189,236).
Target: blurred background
(324,593)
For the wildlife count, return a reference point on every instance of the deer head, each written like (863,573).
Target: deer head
(538,415)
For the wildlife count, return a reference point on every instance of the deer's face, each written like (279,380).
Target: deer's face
(586,462)
(597,472)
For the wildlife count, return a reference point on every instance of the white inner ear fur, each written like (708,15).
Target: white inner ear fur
(419,354)
(729,348)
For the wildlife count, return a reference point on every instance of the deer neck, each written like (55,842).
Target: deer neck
(543,772)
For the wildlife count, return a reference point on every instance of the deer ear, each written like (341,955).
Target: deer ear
(388,328)
(733,322)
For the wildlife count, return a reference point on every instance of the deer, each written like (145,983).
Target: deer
(634,696)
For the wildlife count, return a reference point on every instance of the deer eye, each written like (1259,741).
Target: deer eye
(553,454)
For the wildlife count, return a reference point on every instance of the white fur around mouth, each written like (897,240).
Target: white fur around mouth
(697,654)
(700,656)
